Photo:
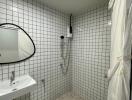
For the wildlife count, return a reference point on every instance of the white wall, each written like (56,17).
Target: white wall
(90,50)
(45,26)
(90,54)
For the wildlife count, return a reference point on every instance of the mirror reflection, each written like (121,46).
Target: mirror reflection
(15,44)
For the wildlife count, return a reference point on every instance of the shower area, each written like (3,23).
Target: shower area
(89,55)
(72,51)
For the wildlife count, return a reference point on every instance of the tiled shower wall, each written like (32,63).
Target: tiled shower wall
(90,54)
(45,26)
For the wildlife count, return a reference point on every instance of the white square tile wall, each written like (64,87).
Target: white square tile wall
(45,26)
(90,54)
(90,50)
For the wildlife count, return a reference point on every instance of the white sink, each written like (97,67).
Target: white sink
(22,85)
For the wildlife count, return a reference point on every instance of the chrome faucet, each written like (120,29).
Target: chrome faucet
(12,78)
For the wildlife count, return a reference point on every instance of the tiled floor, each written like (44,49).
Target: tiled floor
(69,96)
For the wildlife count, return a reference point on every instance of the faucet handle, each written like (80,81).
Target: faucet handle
(12,78)
(13,73)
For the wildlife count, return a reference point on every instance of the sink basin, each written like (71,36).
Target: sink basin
(22,85)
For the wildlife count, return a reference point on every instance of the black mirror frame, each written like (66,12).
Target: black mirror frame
(29,38)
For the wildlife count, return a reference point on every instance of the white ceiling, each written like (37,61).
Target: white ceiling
(73,6)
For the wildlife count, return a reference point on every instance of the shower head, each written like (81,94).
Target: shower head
(62,37)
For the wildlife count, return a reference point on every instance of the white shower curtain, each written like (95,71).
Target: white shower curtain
(120,60)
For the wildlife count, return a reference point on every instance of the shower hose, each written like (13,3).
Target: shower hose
(65,59)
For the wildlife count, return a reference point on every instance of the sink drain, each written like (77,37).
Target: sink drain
(14,89)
